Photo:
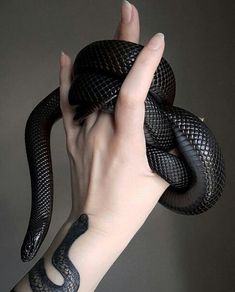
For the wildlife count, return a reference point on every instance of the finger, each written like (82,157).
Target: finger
(128,30)
(129,27)
(130,107)
(68,111)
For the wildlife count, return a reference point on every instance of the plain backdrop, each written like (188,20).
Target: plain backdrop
(170,253)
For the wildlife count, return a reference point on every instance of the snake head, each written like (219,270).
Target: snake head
(31,246)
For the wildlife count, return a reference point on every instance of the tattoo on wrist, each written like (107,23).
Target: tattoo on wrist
(38,278)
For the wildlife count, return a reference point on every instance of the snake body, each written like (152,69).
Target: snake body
(196,176)
(38,278)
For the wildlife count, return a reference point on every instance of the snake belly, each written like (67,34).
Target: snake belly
(196,176)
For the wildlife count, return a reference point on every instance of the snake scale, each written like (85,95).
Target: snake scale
(196,175)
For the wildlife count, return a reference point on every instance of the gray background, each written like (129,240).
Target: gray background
(171,252)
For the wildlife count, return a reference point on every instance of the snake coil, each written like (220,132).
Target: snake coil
(196,176)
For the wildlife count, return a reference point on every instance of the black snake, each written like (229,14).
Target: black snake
(38,277)
(196,177)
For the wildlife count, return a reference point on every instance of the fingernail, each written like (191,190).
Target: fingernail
(62,54)
(63,58)
(126,11)
(156,41)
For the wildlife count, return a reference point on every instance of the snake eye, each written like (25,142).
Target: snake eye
(28,247)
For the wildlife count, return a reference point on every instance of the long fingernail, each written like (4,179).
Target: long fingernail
(126,14)
(156,41)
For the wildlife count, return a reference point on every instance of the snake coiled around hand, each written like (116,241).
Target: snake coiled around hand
(196,176)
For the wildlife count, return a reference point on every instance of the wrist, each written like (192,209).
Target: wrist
(123,221)
(119,228)
(94,253)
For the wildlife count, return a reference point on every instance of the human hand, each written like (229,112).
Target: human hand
(111,178)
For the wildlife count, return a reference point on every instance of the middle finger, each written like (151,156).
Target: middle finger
(127,30)
(129,26)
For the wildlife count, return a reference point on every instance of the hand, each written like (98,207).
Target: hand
(111,178)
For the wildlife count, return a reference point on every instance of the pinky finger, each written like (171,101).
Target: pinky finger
(67,110)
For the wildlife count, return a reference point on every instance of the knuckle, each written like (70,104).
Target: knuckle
(128,100)
(124,93)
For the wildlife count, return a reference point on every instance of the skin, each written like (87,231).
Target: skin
(104,143)
(110,176)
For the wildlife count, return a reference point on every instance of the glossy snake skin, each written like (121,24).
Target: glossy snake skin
(196,176)
(37,276)
(38,279)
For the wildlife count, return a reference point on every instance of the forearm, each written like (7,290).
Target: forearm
(94,254)
(91,253)
(86,256)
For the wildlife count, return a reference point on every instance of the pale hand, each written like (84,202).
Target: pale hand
(111,179)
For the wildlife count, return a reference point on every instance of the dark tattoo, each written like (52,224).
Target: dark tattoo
(38,278)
